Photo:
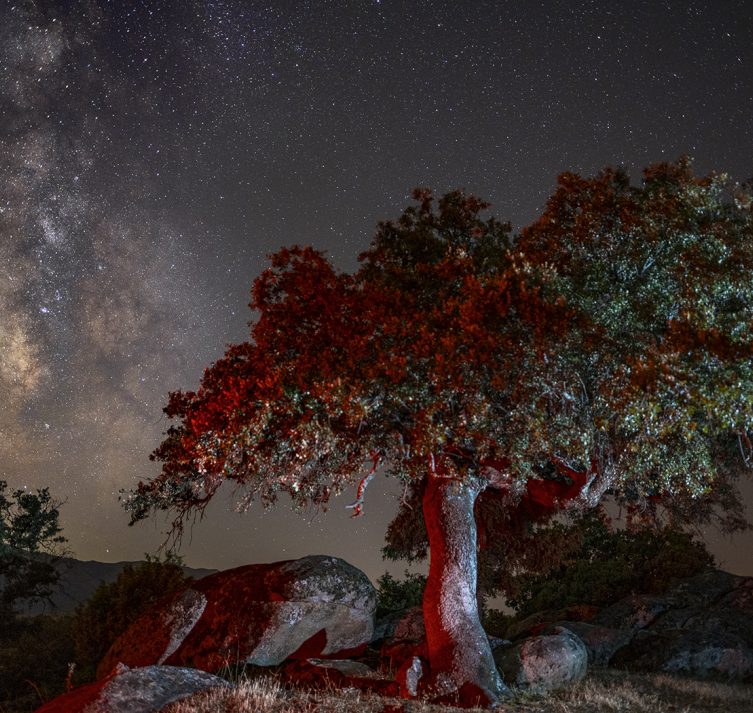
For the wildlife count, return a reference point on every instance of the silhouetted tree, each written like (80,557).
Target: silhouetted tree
(30,545)
(608,348)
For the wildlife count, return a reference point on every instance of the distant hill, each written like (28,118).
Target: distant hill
(79,579)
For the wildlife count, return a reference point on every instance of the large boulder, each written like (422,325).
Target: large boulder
(688,601)
(543,663)
(601,642)
(259,614)
(538,622)
(634,612)
(721,618)
(400,624)
(705,589)
(134,690)
(701,654)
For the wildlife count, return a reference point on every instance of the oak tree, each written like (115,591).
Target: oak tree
(607,348)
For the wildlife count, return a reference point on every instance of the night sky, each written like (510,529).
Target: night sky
(153,153)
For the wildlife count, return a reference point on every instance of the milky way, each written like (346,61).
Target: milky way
(152,154)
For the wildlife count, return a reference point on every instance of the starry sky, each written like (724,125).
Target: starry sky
(152,153)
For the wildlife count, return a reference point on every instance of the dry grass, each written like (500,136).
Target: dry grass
(617,692)
(601,692)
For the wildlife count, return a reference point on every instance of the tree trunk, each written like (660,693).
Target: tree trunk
(460,657)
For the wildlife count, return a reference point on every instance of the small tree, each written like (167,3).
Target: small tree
(30,545)
(114,606)
(608,348)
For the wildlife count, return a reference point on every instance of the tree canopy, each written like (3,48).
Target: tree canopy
(612,337)
(608,347)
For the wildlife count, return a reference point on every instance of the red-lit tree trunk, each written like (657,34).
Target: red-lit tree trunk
(460,657)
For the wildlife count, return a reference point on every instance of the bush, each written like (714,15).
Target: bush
(495,622)
(115,606)
(394,594)
(34,659)
(609,565)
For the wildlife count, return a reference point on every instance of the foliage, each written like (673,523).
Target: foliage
(608,565)
(663,271)
(609,345)
(496,622)
(114,606)
(30,543)
(396,594)
(338,373)
(34,659)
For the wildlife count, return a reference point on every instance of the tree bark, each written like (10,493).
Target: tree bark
(460,657)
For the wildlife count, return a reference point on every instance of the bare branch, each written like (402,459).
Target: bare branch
(357,505)
(404,498)
(746,448)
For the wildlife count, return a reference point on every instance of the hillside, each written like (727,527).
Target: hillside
(79,579)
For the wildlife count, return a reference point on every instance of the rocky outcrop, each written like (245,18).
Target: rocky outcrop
(134,690)
(601,642)
(703,627)
(543,663)
(317,606)
(701,654)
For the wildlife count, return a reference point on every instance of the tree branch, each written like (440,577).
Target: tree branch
(357,505)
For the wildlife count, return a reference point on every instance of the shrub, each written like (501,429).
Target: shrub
(609,565)
(495,622)
(34,659)
(394,594)
(115,606)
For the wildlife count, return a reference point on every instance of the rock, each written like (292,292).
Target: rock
(406,624)
(531,625)
(408,640)
(259,614)
(314,673)
(538,622)
(733,612)
(384,626)
(409,676)
(134,690)
(740,598)
(704,589)
(543,663)
(702,654)
(634,612)
(717,619)
(726,606)
(347,667)
(411,626)
(601,642)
